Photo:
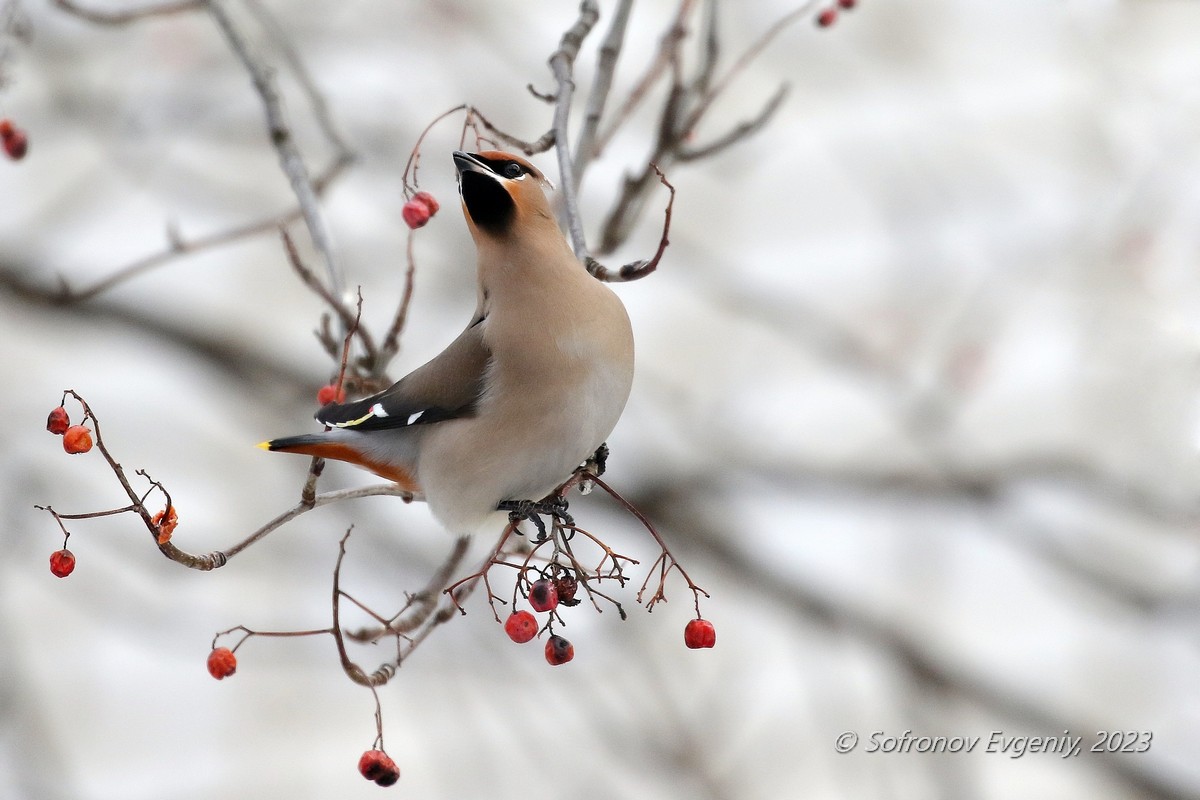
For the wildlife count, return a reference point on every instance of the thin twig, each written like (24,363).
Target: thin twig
(316,99)
(125,16)
(606,65)
(748,55)
(638,269)
(666,560)
(428,610)
(539,145)
(562,64)
(738,132)
(424,602)
(323,499)
(668,44)
(178,247)
(348,318)
(290,158)
(391,341)
(688,101)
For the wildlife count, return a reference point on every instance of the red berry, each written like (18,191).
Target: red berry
(222,663)
(559,651)
(699,633)
(330,394)
(16,144)
(378,766)
(415,213)
(6,128)
(521,626)
(566,585)
(543,596)
(62,562)
(827,18)
(849,5)
(166,521)
(428,200)
(58,421)
(77,439)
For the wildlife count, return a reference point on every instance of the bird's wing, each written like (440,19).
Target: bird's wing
(446,387)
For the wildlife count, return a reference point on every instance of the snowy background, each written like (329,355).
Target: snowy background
(917,402)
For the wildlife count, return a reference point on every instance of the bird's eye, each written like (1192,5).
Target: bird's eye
(512,170)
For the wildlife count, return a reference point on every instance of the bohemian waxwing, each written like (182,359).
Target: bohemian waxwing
(525,394)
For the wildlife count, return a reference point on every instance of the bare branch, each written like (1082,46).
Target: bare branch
(346,316)
(606,65)
(686,104)
(752,52)
(739,132)
(290,158)
(539,145)
(668,45)
(316,98)
(391,341)
(561,64)
(125,16)
(638,269)
(425,611)
(179,247)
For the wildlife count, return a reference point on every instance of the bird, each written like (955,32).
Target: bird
(531,388)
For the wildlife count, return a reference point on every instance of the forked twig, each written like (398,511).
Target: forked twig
(638,269)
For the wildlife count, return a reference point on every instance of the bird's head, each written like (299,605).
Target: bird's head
(501,193)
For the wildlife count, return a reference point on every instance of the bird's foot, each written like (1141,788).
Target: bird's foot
(599,461)
(594,465)
(554,507)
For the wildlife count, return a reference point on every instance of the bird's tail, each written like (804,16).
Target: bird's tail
(307,444)
(328,444)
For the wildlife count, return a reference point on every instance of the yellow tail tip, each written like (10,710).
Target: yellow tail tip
(263,445)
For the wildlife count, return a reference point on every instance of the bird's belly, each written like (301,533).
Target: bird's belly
(519,449)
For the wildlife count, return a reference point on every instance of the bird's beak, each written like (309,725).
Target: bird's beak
(469,162)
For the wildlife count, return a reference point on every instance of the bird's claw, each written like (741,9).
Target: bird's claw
(532,510)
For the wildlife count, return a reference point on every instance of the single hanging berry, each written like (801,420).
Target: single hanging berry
(222,663)
(77,439)
(565,586)
(62,562)
(699,633)
(559,651)
(330,394)
(58,421)
(15,142)
(521,626)
(415,214)
(543,596)
(429,201)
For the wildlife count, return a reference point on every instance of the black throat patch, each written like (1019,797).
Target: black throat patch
(491,207)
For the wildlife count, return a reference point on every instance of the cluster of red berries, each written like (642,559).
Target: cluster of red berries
(416,212)
(829,15)
(546,594)
(76,438)
(378,766)
(15,142)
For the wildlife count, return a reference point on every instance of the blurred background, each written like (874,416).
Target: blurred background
(917,403)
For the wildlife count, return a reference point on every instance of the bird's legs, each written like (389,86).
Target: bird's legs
(532,510)
(554,506)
